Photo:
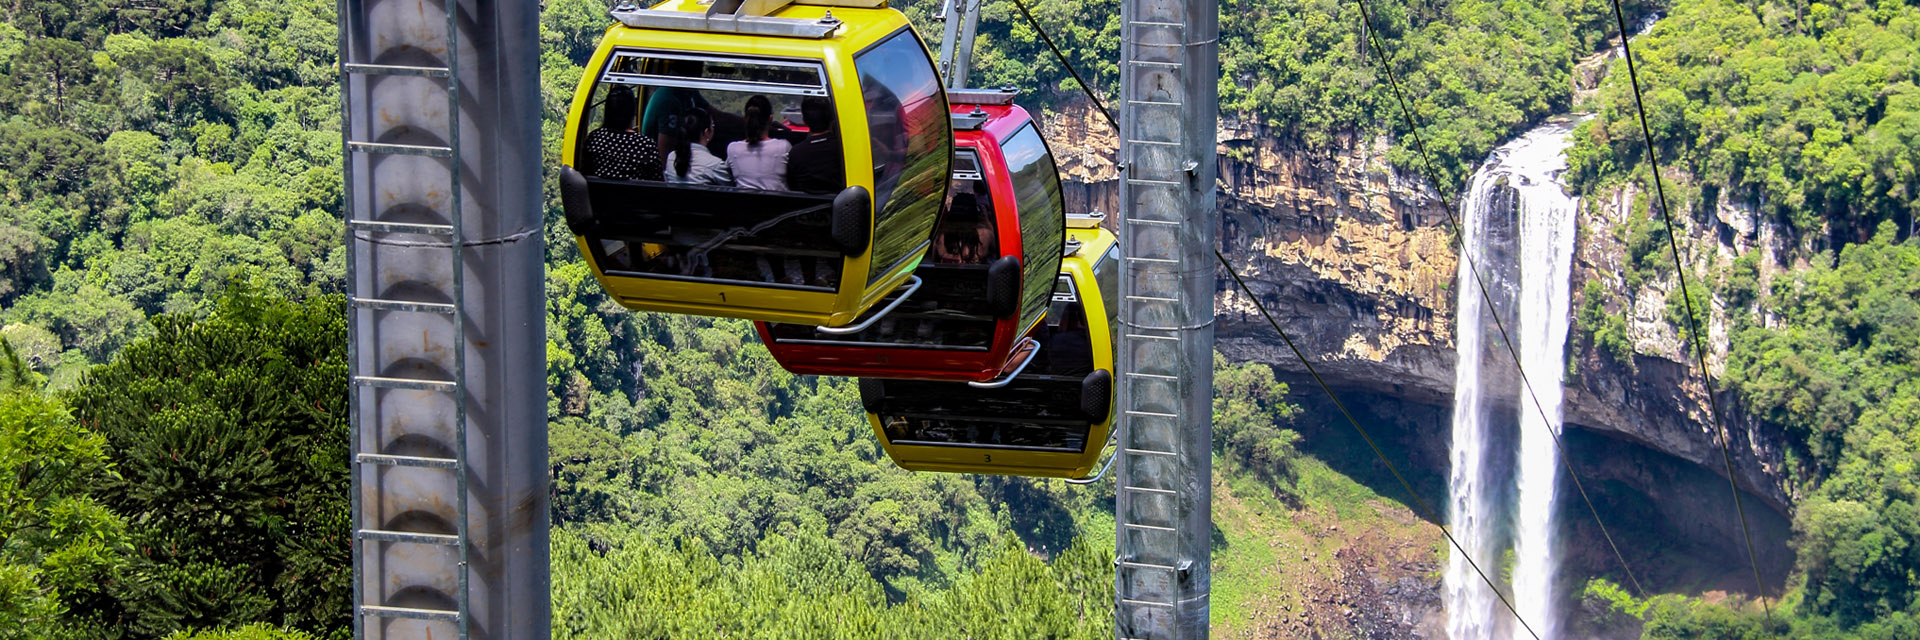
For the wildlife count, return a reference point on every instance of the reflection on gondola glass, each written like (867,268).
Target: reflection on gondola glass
(777,239)
(912,143)
(1106,274)
(1036,187)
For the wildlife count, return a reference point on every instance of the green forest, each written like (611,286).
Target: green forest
(1810,115)
(173,439)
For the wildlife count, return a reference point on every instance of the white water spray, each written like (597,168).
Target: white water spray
(1530,166)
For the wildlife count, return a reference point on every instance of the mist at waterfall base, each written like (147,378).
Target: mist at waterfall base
(1518,231)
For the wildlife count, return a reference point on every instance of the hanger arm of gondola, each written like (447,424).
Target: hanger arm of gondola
(912,285)
(1026,359)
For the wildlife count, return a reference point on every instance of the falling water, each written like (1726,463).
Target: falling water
(1546,262)
(1519,181)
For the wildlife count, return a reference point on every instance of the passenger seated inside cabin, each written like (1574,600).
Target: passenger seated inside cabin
(615,150)
(814,165)
(1069,348)
(667,105)
(966,233)
(691,162)
(759,161)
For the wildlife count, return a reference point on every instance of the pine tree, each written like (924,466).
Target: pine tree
(230,435)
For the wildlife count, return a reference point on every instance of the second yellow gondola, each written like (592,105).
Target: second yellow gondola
(759,160)
(1053,419)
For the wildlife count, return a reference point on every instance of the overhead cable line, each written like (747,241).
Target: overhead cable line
(1426,160)
(1084,87)
(1693,323)
(1377,451)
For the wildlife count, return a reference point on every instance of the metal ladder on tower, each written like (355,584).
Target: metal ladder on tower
(453,235)
(1155,577)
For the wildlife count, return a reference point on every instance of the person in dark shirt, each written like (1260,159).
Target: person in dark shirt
(615,150)
(814,165)
(1069,349)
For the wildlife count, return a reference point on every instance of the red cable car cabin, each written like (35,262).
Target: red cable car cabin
(987,277)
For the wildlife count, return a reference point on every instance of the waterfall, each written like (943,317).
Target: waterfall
(1469,605)
(1519,186)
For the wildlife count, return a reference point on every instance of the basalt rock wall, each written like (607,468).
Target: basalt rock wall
(1357,261)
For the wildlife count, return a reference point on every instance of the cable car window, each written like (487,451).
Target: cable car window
(1106,275)
(969,231)
(912,144)
(733,211)
(1066,340)
(1030,434)
(666,69)
(1036,413)
(1036,188)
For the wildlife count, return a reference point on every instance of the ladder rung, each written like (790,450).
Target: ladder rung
(1149,527)
(1147,337)
(1163,183)
(406,383)
(404,305)
(403,227)
(1151,452)
(408,536)
(409,612)
(1154,23)
(409,461)
(1151,414)
(1158,142)
(1153,299)
(1146,221)
(1164,492)
(1146,565)
(398,70)
(1157,63)
(1155,376)
(1152,260)
(1150,603)
(401,149)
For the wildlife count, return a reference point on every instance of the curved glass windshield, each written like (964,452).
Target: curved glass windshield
(912,142)
(1043,212)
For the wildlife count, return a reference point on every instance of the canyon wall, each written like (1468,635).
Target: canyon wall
(1357,260)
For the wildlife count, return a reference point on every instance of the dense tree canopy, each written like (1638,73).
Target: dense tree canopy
(1808,112)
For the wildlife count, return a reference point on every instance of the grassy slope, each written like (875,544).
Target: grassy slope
(1283,567)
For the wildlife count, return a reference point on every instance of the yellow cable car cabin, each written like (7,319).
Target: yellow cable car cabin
(755,159)
(1053,418)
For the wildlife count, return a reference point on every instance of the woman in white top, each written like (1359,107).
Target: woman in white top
(690,161)
(760,161)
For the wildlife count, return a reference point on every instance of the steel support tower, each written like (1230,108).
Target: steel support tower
(446,355)
(1169,107)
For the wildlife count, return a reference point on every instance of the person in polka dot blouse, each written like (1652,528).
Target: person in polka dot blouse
(616,150)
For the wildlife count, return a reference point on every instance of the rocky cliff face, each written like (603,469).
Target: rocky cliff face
(1357,261)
